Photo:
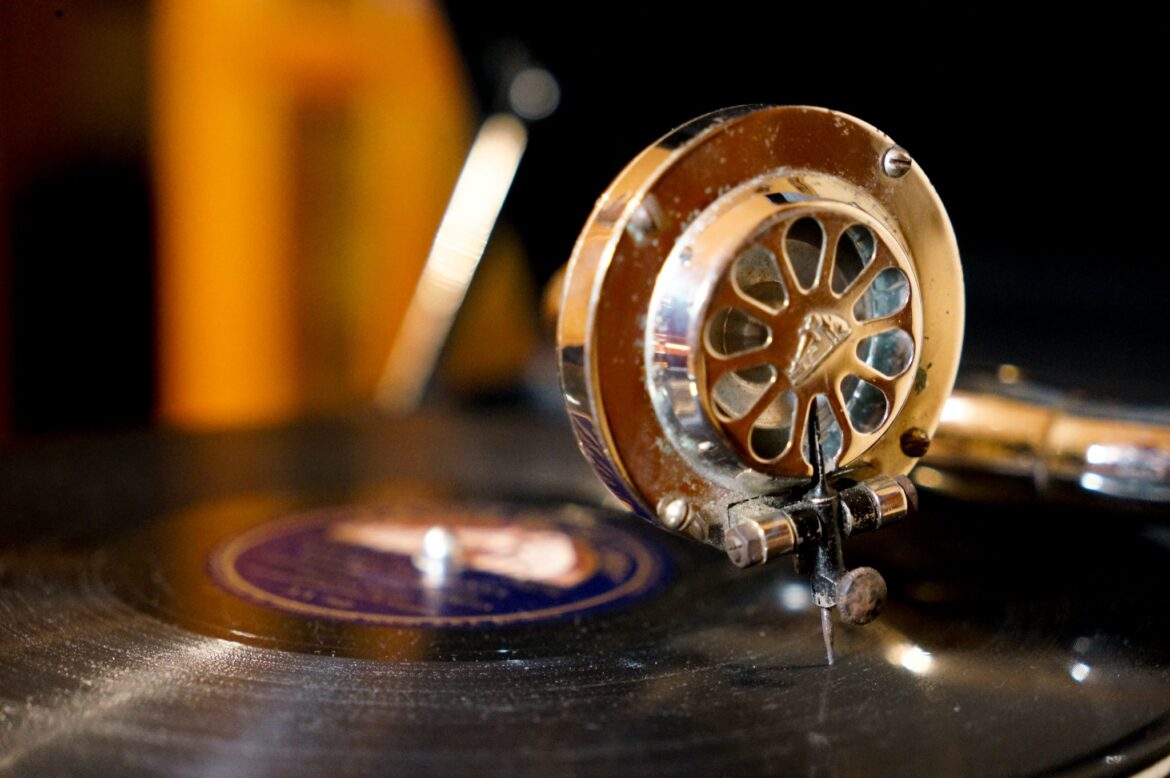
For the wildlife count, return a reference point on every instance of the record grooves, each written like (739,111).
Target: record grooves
(124,653)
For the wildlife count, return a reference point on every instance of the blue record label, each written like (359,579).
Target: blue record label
(439,565)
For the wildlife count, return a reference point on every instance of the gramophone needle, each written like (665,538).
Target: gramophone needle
(827,632)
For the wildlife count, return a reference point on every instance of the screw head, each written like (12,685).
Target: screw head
(896,162)
(645,221)
(861,593)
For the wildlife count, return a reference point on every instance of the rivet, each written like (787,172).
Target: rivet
(915,442)
(674,514)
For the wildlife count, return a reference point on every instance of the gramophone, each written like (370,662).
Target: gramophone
(759,336)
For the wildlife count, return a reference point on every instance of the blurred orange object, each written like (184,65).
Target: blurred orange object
(305,153)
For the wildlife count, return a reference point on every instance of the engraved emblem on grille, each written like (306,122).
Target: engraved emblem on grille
(820,334)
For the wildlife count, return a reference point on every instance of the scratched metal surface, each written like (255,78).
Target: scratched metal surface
(1001,653)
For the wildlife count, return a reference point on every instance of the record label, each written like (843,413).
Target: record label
(437,566)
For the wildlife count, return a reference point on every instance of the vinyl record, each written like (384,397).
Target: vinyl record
(266,603)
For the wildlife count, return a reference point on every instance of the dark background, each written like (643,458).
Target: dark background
(1035,127)
(1011,120)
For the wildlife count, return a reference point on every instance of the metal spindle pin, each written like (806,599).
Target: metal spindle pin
(441,554)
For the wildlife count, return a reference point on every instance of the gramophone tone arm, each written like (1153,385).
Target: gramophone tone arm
(1060,447)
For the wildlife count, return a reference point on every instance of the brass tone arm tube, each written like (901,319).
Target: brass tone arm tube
(1057,446)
